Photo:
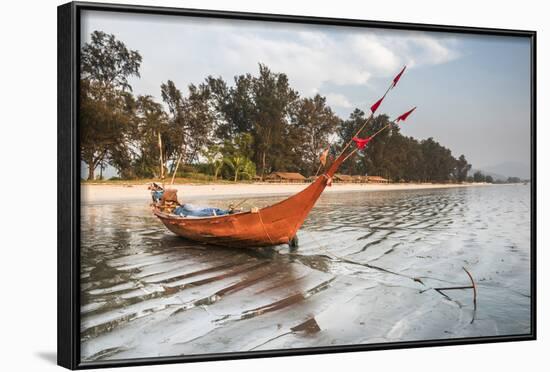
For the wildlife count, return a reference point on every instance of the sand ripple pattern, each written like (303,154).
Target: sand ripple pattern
(146,292)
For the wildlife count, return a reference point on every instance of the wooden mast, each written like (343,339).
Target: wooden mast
(161,160)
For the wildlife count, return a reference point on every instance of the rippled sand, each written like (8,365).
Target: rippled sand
(146,292)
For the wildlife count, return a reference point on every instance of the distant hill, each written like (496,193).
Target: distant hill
(508,169)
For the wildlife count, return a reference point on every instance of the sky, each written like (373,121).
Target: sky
(472,91)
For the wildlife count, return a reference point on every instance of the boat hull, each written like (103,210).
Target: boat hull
(272,225)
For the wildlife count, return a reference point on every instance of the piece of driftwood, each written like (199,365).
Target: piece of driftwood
(473,287)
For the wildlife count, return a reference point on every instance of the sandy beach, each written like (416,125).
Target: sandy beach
(100,193)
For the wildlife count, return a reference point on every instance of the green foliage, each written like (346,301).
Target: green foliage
(311,125)
(462,169)
(394,156)
(151,122)
(107,61)
(479,177)
(214,159)
(191,120)
(439,164)
(236,153)
(241,166)
(232,158)
(273,100)
(106,120)
(106,106)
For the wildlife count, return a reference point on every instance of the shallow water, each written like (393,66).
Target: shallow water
(364,273)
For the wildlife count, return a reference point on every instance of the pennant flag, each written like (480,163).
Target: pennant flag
(396,79)
(361,142)
(374,107)
(404,116)
(323,157)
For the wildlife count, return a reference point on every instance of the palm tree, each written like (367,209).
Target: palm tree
(214,158)
(241,165)
(217,165)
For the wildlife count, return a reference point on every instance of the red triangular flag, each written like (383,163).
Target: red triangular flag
(323,157)
(374,107)
(361,142)
(404,116)
(396,79)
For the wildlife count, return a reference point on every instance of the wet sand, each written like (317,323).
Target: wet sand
(97,193)
(146,292)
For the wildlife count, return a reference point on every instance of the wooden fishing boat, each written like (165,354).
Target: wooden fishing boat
(272,225)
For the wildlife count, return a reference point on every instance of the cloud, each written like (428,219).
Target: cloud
(314,58)
(186,50)
(338,100)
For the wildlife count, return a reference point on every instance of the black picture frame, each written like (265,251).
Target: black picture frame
(68,253)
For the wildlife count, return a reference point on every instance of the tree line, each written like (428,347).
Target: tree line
(256,125)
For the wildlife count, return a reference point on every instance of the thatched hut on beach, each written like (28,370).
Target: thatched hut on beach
(285,177)
(342,178)
(360,179)
(377,179)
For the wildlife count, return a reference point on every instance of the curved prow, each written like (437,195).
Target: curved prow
(335,165)
(293,211)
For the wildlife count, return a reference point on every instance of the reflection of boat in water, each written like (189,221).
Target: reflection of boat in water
(272,225)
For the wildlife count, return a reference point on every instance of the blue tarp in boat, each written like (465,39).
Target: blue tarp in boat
(157,195)
(190,210)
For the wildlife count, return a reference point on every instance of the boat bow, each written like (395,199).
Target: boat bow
(272,225)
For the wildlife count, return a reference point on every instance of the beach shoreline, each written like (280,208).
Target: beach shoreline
(104,193)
